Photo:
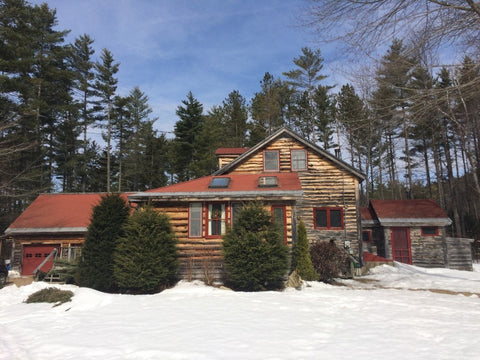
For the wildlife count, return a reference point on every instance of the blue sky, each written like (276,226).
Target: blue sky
(209,47)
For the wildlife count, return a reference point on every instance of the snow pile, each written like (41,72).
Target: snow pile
(402,276)
(377,317)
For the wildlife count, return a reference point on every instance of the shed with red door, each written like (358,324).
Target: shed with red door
(413,232)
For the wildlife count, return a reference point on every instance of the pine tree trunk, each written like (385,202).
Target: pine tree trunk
(427,167)
(109,135)
(453,195)
(438,172)
(407,152)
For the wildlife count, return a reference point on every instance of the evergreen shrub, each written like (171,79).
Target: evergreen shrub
(301,260)
(328,260)
(146,256)
(255,256)
(95,268)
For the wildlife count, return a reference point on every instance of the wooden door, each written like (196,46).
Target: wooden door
(401,249)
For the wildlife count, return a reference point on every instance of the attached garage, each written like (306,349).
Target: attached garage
(52,221)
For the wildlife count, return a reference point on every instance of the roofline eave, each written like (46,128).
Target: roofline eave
(218,195)
(307,143)
(20,231)
(415,221)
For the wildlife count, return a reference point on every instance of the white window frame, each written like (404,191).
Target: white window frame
(296,162)
(271,164)
(195,220)
(211,218)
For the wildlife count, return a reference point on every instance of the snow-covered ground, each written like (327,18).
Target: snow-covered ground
(390,314)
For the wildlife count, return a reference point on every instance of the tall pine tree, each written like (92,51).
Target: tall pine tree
(95,269)
(186,130)
(82,66)
(305,80)
(106,86)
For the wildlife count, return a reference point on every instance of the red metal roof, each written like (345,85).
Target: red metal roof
(230,151)
(238,182)
(54,211)
(366,213)
(407,209)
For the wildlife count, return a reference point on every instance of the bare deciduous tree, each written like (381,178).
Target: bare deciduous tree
(365,24)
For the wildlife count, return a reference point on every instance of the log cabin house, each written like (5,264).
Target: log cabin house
(292,177)
(413,232)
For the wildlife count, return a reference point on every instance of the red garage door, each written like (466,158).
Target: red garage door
(33,255)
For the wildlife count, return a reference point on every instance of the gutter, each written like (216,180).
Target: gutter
(224,195)
(415,221)
(15,231)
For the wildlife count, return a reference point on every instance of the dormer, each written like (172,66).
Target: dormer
(227,155)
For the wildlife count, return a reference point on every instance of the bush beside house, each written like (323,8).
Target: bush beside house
(301,260)
(255,256)
(328,260)
(145,258)
(95,269)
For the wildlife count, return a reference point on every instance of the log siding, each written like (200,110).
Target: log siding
(324,185)
(200,255)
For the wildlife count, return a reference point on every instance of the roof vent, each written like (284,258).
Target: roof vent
(267,181)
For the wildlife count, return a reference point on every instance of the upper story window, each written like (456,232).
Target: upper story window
(271,160)
(299,160)
(328,218)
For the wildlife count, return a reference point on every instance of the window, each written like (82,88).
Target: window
(429,231)
(328,218)
(267,181)
(366,236)
(195,220)
(236,207)
(299,160)
(216,219)
(279,217)
(270,160)
(219,183)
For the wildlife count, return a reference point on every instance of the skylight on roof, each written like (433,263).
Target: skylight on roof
(219,183)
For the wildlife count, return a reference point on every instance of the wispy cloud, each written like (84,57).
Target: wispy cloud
(209,47)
